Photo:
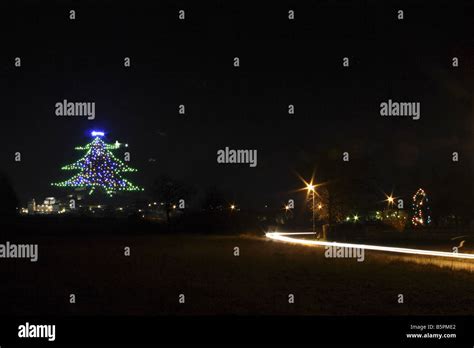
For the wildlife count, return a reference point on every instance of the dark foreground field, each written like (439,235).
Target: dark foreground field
(214,281)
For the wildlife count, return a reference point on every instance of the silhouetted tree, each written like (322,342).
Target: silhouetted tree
(214,199)
(8,198)
(169,191)
(347,187)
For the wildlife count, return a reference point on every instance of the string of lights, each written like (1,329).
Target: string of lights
(99,169)
(421,210)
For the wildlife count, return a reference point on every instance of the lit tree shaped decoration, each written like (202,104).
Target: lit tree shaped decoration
(99,169)
(421,210)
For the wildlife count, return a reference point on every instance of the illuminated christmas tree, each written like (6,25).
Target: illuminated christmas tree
(99,169)
(421,210)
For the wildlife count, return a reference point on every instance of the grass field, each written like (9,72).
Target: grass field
(214,281)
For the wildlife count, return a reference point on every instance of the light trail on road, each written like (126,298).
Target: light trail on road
(282,236)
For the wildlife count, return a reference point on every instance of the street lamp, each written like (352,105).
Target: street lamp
(311,189)
(390,200)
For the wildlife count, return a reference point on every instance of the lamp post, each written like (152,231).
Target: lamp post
(311,189)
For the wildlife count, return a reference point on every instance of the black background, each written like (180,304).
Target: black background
(282,62)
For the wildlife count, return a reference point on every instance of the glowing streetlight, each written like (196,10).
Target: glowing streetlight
(232,207)
(311,190)
(390,200)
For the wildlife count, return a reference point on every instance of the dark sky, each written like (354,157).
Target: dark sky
(282,62)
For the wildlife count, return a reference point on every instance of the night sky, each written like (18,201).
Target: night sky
(283,62)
